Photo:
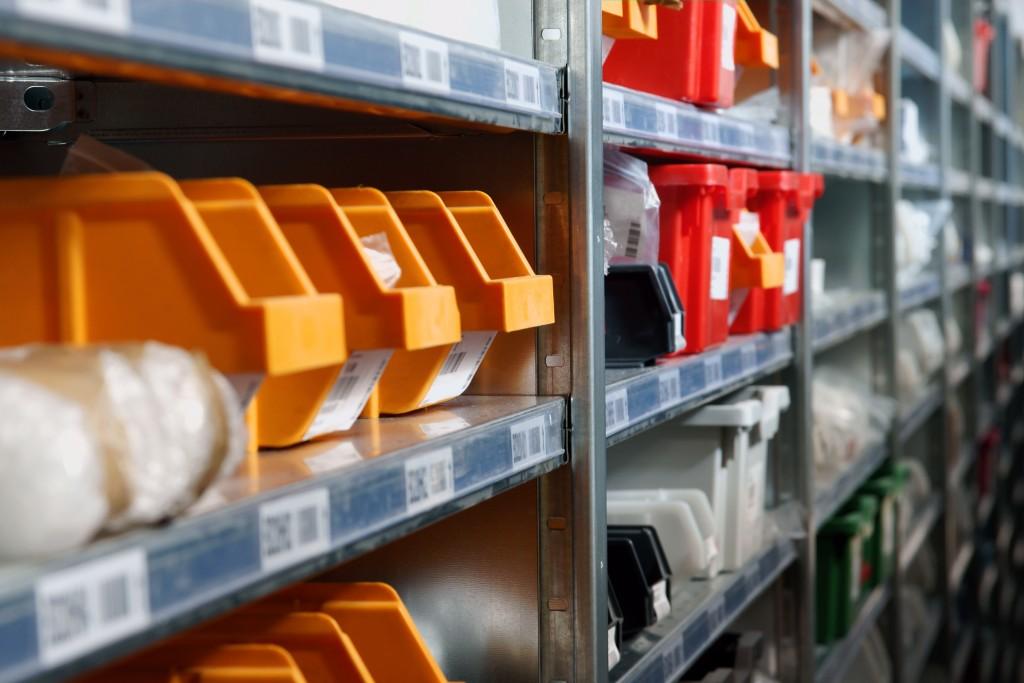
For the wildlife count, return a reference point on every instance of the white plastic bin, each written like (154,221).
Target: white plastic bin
(721,450)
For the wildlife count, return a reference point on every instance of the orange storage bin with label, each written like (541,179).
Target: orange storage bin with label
(175,662)
(694,58)
(626,19)
(392,327)
(466,244)
(696,237)
(288,405)
(124,257)
(380,626)
(783,202)
(322,651)
(754,267)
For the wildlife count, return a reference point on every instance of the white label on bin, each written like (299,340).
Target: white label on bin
(442,427)
(665,121)
(288,33)
(83,608)
(109,16)
(616,410)
(791,257)
(855,558)
(728,37)
(294,528)
(425,63)
(342,455)
(522,85)
(614,115)
(713,371)
(668,388)
(888,528)
(529,440)
(350,392)
(429,480)
(719,268)
(459,367)
(245,384)
(662,608)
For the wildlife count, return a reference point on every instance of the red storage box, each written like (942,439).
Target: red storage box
(984,34)
(696,234)
(693,58)
(783,202)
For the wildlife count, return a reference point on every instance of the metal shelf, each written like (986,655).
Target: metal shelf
(921,176)
(962,654)
(327,52)
(958,276)
(959,89)
(968,453)
(349,494)
(831,495)
(960,565)
(636,400)
(925,289)
(835,324)
(983,109)
(917,54)
(922,526)
(864,14)
(638,120)
(912,419)
(919,657)
(848,161)
(959,370)
(836,660)
(702,610)
(958,181)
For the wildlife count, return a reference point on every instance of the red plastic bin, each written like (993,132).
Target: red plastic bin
(693,58)
(783,202)
(696,233)
(984,34)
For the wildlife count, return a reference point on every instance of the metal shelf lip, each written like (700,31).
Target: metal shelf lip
(962,655)
(919,292)
(968,453)
(925,176)
(983,109)
(923,524)
(837,659)
(986,506)
(959,370)
(958,181)
(865,14)
(356,491)
(328,52)
(639,120)
(665,651)
(958,276)
(848,161)
(919,657)
(960,564)
(638,399)
(913,419)
(919,55)
(984,189)
(1002,124)
(959,89)
(830,497)
(836,324)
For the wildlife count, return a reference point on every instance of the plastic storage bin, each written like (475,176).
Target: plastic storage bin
(839,558)
(639,573)
(175,662)
(984,34)
(123,257)
(753,265)
(632,342)
(684,522)
(783,202)
(720,450)
(628,19)
(880,549)
(696,238)
(409,323)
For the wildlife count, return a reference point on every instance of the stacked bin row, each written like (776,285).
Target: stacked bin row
(320,305)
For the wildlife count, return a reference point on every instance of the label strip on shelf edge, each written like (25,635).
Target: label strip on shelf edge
(647,117)
(693,632)
(677,383)
(123,587)
(920,292)
(829,156)
(308,37)
(839,322)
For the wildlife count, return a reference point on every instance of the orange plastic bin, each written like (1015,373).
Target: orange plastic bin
(175,662)
(628,19)
(753,265)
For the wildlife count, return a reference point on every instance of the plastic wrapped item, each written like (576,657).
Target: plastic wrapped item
(914,148)
(106,437)
(846,63)
(631,208)
(377,251)
(922,332)
(918,227)
(847,418)
(953,49)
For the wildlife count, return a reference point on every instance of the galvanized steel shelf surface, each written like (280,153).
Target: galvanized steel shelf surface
(921,527)
(836,659)
(848,161)
(835,324)
(837,486)
(306,509)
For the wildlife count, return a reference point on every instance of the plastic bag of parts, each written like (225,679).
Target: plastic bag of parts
(848,417)
(918,229)
(631,207)
(914,148)
(921,351)
(847,62)
(101,438)
(89,155)
(377,251)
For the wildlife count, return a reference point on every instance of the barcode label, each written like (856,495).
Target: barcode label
(529,440)
(245,384)
(719,268)
(614,114)
(665,121)
(712,371)
(429,480)
(84,607)
(616,410)
(109,16)
(633,239)
(334,458)
(350,392)
(791,258)
(668,388)
(522,85)
(288,33)
(425,63)
(459,367)
(294,528)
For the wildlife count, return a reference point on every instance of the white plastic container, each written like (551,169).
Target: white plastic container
(721,450)
(684,522)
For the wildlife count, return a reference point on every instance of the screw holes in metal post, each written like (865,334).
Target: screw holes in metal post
(39,98)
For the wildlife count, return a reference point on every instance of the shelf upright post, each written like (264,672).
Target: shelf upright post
(573,566)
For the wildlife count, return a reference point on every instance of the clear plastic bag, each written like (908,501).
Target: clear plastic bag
(631,208)
(918,229)
(848,417)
